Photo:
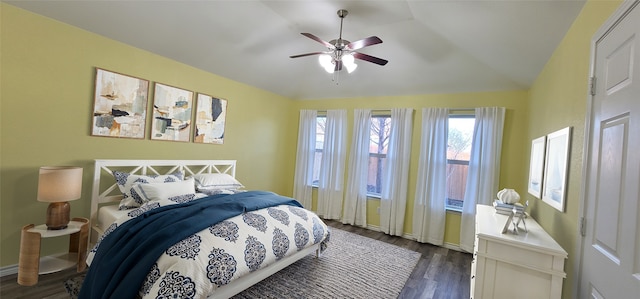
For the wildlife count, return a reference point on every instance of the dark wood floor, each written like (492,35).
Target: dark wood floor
(50,286)
(441,273)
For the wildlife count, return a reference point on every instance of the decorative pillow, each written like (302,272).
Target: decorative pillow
(174,191)
(125,182)
(220,191)
(207,181)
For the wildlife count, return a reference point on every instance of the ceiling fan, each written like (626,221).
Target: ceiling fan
(341,52)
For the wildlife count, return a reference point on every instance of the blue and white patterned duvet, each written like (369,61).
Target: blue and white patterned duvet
(196,266)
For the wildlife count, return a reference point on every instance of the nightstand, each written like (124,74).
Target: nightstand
(30,264)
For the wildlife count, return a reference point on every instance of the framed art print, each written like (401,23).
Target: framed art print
(211,114)
(555,170)
(536,166)
(171,113)
(119,105)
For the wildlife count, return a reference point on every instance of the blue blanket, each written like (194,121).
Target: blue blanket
(126,255)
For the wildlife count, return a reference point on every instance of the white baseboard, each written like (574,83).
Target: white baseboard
(451,246)
(8,270)
(377,229)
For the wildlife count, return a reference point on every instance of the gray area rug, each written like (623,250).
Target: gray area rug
(353,266)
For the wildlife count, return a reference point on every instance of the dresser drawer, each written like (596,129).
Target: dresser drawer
(516,255)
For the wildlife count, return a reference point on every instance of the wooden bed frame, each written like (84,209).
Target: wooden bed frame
(106,192)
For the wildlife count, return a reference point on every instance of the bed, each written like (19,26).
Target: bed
(270,233)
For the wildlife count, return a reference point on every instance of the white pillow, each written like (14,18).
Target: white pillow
(220,191)
(206,181)
(171,191)
(126,181)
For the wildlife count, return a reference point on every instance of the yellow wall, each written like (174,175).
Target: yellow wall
(514,146)
(558,99)
(48,73)
(52,65)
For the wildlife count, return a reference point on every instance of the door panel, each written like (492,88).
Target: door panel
(618,66)
(611,246)
(611,168)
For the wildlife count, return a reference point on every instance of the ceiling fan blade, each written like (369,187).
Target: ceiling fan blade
(369,58)
(315,38)
(306,54)
(359,44)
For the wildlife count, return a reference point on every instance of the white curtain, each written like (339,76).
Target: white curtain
(331,181)
(304,157)
(484,169)
(431,187)
(395,174)
(355,200)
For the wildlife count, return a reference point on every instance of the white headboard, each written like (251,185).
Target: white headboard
(105,191)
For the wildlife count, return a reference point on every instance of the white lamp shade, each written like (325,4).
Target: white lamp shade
(59,183)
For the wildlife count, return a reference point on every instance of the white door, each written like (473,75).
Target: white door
(611,246)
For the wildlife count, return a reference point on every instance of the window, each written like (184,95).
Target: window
(379,142)
(458,153)
(321,122)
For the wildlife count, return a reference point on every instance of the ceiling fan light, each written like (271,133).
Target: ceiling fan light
(349,62)
(351,67)
(329,69)
(348,59)
(325,61)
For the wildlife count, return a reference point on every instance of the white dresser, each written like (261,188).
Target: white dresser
(524,265)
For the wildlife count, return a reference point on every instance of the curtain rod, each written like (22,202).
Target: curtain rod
(372,110)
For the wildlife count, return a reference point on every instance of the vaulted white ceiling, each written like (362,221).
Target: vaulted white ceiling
(445,46)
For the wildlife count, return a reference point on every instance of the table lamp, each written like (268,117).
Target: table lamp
(58,185)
